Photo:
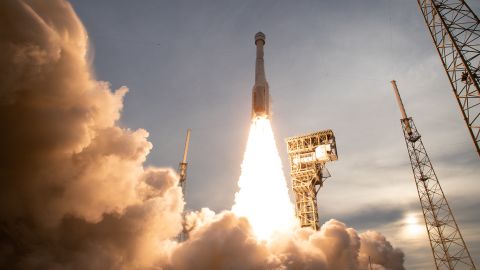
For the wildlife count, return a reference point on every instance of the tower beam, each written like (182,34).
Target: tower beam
(455,31)
(448,247)
(182,172)
(307,155)
(182,168)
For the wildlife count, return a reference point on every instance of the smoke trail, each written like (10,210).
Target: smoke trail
(74,193)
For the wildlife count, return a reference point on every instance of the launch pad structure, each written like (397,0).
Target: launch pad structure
(455,32)
(307,155)
(182,167)
(447,244)
(182,172)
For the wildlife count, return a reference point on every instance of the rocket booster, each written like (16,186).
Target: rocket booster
(260,91)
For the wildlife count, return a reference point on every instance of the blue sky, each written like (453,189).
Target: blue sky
(190,64)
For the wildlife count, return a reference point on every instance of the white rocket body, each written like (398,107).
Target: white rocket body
(260,91)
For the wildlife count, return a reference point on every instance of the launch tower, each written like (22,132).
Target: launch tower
(307,155)
(182,172)
(448,248)
(182,167)
(455,31)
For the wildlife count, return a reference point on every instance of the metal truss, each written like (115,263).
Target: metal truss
(182,182)
(308,172)
(182,169)
(448,247)
(455,30)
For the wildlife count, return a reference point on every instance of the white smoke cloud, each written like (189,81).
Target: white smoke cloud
(74,193)
(225,241)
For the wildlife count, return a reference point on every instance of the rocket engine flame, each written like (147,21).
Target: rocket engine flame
(263,196)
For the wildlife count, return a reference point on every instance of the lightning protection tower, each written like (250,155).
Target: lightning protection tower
(446,241)
(182,168)
(307,155)
(182,171)
(455,31)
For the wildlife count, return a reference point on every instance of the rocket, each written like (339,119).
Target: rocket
(260,91)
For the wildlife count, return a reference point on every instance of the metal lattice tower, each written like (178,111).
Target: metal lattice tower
(182,172)
(455,30)
(307,155)
(446,241)
(182,167)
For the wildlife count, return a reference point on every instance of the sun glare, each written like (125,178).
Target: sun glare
(412,225)
(263,196)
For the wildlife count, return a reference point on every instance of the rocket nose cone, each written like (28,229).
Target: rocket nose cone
(260,37)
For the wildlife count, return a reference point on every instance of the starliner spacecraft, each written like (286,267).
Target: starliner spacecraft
(260,92)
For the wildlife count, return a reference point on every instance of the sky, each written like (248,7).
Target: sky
(190,64)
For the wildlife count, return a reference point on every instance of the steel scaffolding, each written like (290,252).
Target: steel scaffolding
(455,31)
(447,244)
(308,155)
(182,172)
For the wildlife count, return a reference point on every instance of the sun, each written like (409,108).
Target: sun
(412,225)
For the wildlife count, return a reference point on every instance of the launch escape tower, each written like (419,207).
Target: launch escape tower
(446,241)
(455,30)
(182,172)
(307,155)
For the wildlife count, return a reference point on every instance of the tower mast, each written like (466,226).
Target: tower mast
(447,244)
(455,31)
(182,168)
(182,171)
(308,155)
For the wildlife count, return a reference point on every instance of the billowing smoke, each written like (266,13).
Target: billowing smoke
(225,241)
(74,193)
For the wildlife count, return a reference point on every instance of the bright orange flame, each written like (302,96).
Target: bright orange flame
(263,197)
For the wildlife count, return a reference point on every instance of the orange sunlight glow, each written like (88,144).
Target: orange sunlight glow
(413,228)
(263,196)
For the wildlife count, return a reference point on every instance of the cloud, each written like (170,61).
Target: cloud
(373,216)
(74,191)
(225,241)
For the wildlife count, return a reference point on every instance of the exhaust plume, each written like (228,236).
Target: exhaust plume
(74,191)
(263,195)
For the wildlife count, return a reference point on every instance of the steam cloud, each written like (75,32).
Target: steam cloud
(74,193)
